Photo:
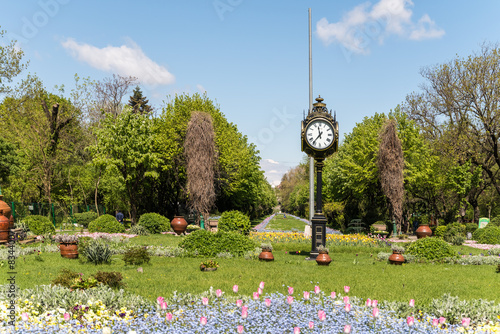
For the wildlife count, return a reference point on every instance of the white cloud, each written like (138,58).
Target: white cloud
(273,171)
(271,161)
(201,88)
(124,60)
(365,23)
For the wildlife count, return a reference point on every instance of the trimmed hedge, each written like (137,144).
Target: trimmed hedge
(431,248)
(206,243)
(234,221)
(106,224)
(39,225)
(84,218)
(488,235)
(154,222)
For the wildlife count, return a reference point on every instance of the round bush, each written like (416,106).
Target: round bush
(138,230)
(470,227)
(234,221)
(206,243)
(431,248)
(495,221)
(154,222)
(39,225)
(440,231)
(454,230)
(488,235)
(84,218)
(106,224)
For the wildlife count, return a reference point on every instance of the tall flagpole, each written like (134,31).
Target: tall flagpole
(311,160)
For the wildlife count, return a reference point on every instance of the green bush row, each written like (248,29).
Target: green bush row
(205,243)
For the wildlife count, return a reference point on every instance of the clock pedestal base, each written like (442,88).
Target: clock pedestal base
(318,234)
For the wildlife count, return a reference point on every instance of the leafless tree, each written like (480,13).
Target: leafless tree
(110,92)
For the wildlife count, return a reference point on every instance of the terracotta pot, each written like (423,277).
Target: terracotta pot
(208,269)
(4,228)
(11,222)
(323,259)
(69,250)
(423,231)
(266,256)
(179,224)
(5,208)
(396,258)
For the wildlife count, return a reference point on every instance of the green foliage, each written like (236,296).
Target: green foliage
(139,230)
(495,221)
(65,278)
(136,256)
(234,221)
(209,264)
(205,243)
(440,231)
(10,62)
(456,240)
(74,280)
(39,225)
(97,251)
(106,224)
(113,279)
(431,248)
(84,218)
(498,269)
(470,227)
(454,230)
(488,235)
(154,222)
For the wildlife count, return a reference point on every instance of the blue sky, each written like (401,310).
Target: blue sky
(251,57)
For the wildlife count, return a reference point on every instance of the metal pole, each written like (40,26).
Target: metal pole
(311,160)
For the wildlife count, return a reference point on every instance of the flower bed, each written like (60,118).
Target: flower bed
(331,239)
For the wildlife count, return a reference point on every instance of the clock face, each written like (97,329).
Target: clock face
(320,134)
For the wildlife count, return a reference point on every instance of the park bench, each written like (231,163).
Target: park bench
(212,225)
(356,226)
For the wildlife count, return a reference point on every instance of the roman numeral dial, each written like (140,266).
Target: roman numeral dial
(320,134)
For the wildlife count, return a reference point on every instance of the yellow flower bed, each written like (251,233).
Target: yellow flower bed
(331,239)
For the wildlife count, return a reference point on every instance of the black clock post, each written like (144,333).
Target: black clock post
(319,140)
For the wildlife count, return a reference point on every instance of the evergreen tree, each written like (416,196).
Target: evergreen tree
(139,103)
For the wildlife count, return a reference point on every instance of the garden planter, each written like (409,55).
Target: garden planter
(5,208)
(323,259)
(69,250)
(423,231)
(179,224)
(11,222)
(208,269)
(396,258)
(4,228)
(266,256)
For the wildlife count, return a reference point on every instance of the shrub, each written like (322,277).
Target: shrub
(206,243)
(495,221)
(454,230)
(431,248)
(488,235)
(84,218)
(457,240)
(65,278)
(97,251)
(470,227)
(71,279)
(234,221)
(106,224)
(154,222)
(440,231)
(39,225)
(139,230)
(111,278)
(136,256)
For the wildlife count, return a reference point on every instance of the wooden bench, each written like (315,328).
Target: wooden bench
(212,225)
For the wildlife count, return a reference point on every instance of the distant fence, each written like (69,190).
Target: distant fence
(55,211)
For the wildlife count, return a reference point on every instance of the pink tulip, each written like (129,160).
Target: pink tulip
(442,320)
(163,306)
(67,316)
(306,295)
(255,295)
(259,291)
(347,307)
(289,300)
(410,321)
(268,302)
(290,290)
(347,288)
(346,299)
(368,302)
(375,312)
(321,315)
(261,285)
(316,289)
(244,314)
(235,288)
(244,308)
(160,300)
(168,316)
(333,295)
(311,324)
(240,329)
(203,321)
(412,302)
(374,303)
(435,322)
(239,302)
(204,301)
(347,328)
(25,316)
(465,322)
(218,293)
(296,330)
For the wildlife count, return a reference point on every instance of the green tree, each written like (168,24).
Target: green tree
(138,102)
(10,63)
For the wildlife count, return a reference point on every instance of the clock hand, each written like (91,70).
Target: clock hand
(319,136)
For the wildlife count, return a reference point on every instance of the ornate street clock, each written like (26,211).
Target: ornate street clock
(320,139)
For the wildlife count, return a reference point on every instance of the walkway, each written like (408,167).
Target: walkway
(262,226)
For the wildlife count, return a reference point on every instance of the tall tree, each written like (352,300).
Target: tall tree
(390,167)
(139,103)
(110,93)
(201,158)
(10,63)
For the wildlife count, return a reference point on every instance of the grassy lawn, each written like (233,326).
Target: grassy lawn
(367,278)
(278,223)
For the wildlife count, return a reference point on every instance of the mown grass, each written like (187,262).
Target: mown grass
(278,223)
(352,265)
